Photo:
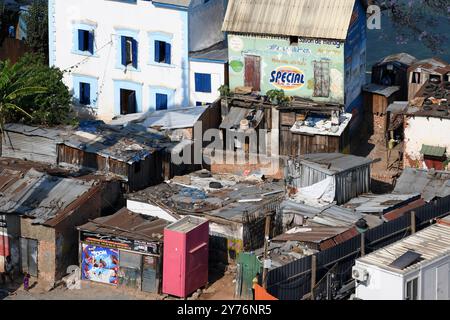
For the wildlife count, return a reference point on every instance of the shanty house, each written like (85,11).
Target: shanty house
(286,45)
(39,215)
(124,249)
(435,70)
(426,123)
(236,208)
(393,71)
(329,177)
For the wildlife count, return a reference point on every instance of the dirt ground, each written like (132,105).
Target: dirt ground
(221,289)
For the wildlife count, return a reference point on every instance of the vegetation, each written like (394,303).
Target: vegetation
(37,28)
(277,97)
(33,93)
(224,91)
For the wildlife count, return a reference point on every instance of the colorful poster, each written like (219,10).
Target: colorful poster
(100,264)
(309,68)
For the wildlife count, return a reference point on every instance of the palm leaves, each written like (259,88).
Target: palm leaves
(14,86)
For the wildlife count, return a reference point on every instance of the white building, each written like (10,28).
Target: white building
(131,56)
(415,268)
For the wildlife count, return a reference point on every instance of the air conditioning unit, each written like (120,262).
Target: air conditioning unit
(360,274)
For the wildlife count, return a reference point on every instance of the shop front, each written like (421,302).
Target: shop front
(119,260)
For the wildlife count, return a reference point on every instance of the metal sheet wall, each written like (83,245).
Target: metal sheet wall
(293,281)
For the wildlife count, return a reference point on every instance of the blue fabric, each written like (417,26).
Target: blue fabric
(161,101)
(202,82)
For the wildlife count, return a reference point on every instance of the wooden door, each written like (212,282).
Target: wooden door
(127,101)
(253,72)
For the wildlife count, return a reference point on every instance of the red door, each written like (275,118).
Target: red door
(253,72)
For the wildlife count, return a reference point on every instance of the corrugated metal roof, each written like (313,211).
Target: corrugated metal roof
(430,184)
(433,151)
(397,107)
(431,65)
(127,224)
(305,18)
(381,90)
(174,118)
(431,243)
(233,118)
(310,234)
(380,203)
(402,57)
(397,213)
(333,163)
(41,196)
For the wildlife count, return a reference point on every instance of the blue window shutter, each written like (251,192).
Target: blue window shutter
(157,54)
(168,53)
(135,53)
(124,50)
(202,82)
(81,40)
(161,101)
(91,42)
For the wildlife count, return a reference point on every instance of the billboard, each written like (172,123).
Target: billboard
(311,68)
(100,264)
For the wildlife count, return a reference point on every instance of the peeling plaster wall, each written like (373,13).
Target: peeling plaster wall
(422,130)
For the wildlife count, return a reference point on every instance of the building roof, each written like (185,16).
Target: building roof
(193,195)
(178,3)
(380,203)
(402,57)
(333,163)
(186,224)
(431,65)
(433,151)
(397,107)
(217,53)
(174,118)
(314,234)
(304,18)
(430,184)
(386,91)
(431,243)
(431,101)
(397,213)
(129,225)
(38,195)
(322,126)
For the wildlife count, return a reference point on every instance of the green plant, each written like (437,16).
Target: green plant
(277,97)
(37,27)
(224,90)
(15,86)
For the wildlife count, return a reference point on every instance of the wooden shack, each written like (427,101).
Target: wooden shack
(433,69)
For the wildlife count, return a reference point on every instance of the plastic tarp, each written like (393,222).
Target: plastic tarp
(323,191)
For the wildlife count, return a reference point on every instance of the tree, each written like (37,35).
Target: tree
(32,92)
(417,20)
(37,28)
(14,87)
(53,107)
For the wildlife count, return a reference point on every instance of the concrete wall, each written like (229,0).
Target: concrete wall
(422,130)
(381,285)
(109,20)
(217,72)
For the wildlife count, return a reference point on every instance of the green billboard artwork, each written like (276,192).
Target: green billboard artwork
(310,68)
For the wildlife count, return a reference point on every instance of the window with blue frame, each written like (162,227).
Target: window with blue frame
(86,41)
(161,101)
(202,82)
(163,52)
(129,49)
(85,93)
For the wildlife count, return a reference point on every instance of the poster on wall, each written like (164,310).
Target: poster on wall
(100,264)
(311,68)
